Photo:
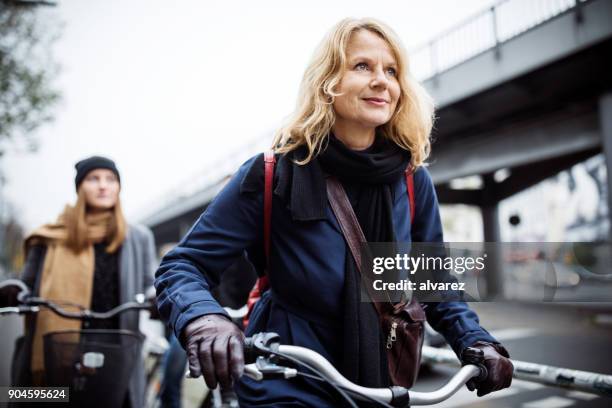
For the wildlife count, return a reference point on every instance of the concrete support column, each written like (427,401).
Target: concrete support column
(490,220)
(605,122)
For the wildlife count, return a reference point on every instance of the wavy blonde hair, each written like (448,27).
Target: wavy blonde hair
(76,225)
(311,122)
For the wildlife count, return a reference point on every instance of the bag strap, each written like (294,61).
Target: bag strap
(409,175)
(269,162)
(353,234)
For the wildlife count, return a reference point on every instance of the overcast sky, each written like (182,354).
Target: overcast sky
(165,88)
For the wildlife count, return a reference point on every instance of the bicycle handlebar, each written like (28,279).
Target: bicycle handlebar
(33,304)
(263,351)
(86,314)
(15,282)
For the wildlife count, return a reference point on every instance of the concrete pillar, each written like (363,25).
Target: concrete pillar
(490,221)
(605,122)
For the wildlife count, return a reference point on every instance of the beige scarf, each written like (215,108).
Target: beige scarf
(67,277)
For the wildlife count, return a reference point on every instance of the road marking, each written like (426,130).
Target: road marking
(465,397)
(586,396)
(550,402)
(527,385)
(603,319)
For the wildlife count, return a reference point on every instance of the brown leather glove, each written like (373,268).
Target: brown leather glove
(499,369)
(9,291)
(215,349)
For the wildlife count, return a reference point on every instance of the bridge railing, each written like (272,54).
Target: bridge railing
(485,31)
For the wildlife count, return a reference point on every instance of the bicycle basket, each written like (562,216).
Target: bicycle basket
(95,364)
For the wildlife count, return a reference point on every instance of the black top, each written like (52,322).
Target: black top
(105,293)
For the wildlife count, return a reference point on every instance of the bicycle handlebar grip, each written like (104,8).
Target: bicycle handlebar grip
(475,356)
(401,397)
(260,344)
(22,297)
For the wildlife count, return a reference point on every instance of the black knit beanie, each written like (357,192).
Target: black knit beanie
(91,163)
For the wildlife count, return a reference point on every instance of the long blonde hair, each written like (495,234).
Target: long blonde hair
(311,122)
(76,225)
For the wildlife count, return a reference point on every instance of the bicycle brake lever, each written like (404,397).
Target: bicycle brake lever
(28,309)
(264,368)
(258,371)
(251,371)
(19,310)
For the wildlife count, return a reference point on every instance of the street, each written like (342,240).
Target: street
(553,334)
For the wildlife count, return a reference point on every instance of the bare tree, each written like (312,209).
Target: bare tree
(27,98)
(27,69)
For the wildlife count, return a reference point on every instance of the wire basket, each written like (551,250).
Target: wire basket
(95,364)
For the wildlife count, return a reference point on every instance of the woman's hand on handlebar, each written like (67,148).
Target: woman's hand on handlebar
(499,369)
(9,292)
(215,349)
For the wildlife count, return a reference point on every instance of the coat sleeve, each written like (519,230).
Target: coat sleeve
(458,324)
(33,266)
(231,223)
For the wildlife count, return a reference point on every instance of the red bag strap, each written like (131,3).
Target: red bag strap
(262,283)
(269,161)
(409,173)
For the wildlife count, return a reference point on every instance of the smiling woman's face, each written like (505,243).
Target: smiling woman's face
(369,87)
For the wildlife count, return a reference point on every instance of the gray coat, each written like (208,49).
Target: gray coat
(137,264)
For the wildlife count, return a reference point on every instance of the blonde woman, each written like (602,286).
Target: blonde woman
(362,118)
(90,257)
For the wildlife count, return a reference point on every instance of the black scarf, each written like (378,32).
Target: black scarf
(367,177)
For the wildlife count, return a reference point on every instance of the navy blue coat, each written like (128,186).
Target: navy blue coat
(306,278)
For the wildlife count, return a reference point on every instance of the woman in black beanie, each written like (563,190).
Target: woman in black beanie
(91,257)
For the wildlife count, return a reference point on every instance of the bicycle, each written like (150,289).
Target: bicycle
(154,349)
(95,364)
(264,356)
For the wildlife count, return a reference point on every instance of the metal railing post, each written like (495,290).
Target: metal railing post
(578,15)
(495,32)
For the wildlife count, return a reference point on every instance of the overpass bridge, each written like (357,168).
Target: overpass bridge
(523,91)
(532,102)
